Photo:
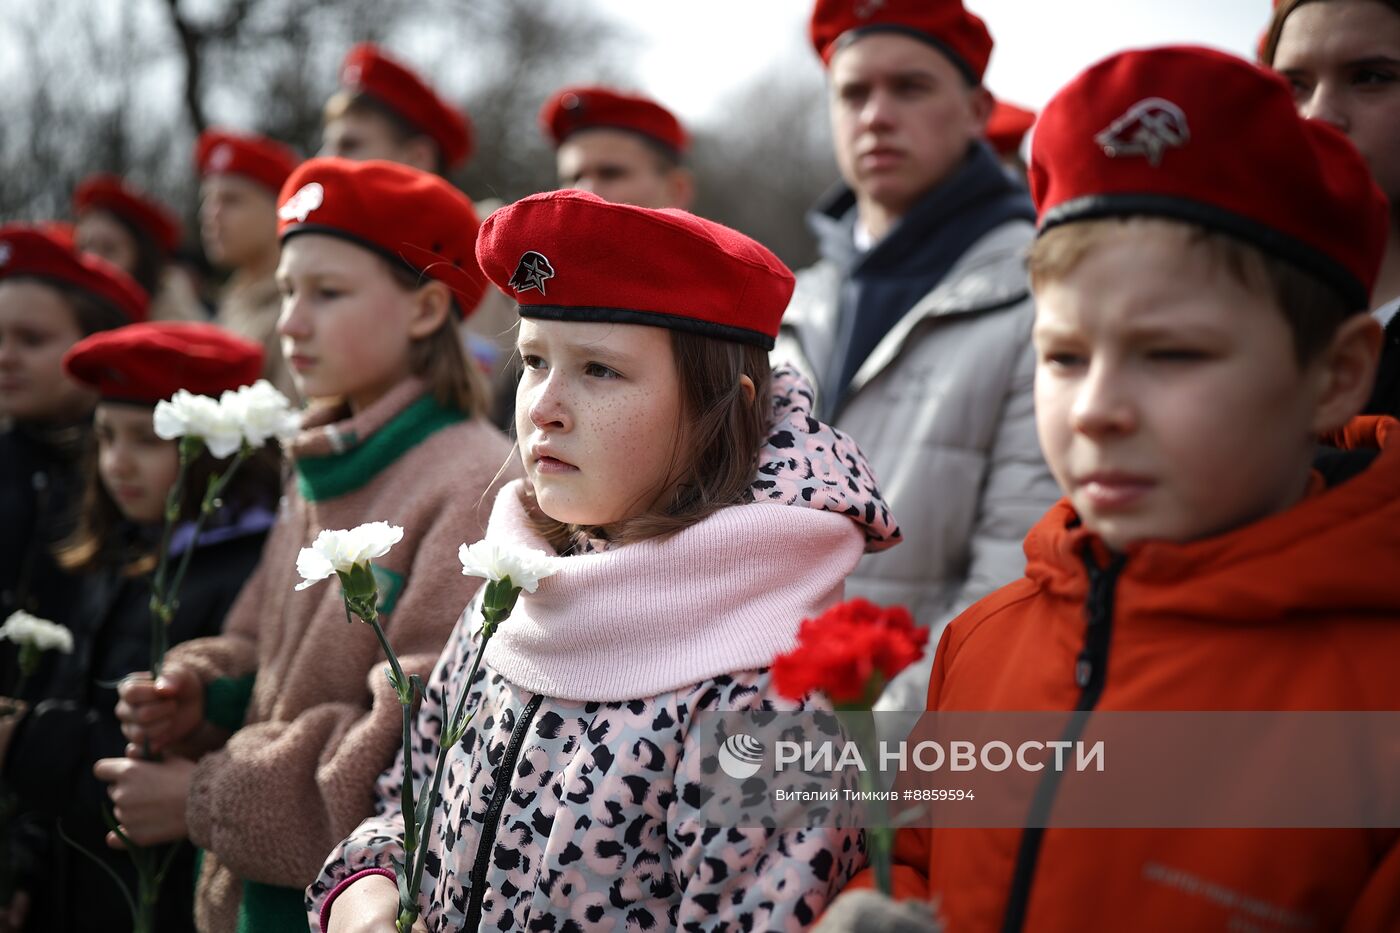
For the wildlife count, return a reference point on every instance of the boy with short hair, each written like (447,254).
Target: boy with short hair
(385,110)
(1200,324)
(239,176)
(622,147)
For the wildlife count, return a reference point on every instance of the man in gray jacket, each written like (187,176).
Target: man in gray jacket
(915,325)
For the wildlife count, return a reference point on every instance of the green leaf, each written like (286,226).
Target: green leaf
(422,815)
(406,902)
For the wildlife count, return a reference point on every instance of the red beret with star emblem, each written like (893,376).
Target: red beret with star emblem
(1200,136)
(265,161)
(571,256)
(413,218)
(110,193)
(368,70)
(585,108)
(149,362)
(29,252)
(944,24)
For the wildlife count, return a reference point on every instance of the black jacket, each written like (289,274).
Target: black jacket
(49,764)
(1385,399)
(40,483)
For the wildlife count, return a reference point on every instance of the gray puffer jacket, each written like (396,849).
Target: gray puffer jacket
(943,409)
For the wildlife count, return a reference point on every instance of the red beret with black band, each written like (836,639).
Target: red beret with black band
(29,252)
(110,193)
(585,108)
(408,216)
(265,161)
(1201,136)
(944,24)
(571,256)
(368,70)
(145,363)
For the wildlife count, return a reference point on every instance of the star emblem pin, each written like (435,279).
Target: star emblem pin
(531,272)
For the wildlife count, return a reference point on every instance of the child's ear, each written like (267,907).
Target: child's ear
(432,306)
(1348,372)
(682,187)
(746,386)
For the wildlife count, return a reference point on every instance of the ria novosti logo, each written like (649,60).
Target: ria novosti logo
(741,756)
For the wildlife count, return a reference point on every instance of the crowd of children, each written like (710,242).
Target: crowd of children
(1178,320)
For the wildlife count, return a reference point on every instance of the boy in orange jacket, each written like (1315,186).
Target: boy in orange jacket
(1203,265)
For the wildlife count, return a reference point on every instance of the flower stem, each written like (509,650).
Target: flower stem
(170,600)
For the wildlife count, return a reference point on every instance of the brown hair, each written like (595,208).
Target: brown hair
(1269,46)
(95,543)
(716,444)
(151,257)
(357,103)
(90,313)
(1313,308)
(440,358)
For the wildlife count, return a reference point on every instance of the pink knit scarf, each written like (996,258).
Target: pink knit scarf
(726,594)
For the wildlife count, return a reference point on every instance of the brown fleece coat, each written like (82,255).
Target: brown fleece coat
(323,721)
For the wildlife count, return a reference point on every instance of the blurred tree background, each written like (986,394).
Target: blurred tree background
(126,86)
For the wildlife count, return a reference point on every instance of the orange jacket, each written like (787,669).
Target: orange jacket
(1299,611)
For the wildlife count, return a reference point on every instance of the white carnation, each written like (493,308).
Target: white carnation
(337,551)
(261,412)
(494,561)
(39,634)
(188,415)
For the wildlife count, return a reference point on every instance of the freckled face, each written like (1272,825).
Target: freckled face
(598,417)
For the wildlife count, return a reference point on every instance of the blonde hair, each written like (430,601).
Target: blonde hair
(1313,308)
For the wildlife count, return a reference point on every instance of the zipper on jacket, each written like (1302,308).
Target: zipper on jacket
(1090,673)
(487,840)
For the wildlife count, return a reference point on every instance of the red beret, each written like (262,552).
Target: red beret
(944,24)
(27,251)
(412,217)
(110,193)
(60,231)
(582,108)
(368,70)
(150,362)
(1204,137)
(264,160)
(1007,127)
(571,256)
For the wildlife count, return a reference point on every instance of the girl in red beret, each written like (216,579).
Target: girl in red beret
(50,759)
(376,271)
(139,235)
(700,514)
(50,298)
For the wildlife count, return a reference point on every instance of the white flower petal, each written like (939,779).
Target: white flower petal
(261,413)
(336,551)
(495,561)
(25,629)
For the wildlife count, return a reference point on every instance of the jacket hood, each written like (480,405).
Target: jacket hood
(1333,552)
(810,464)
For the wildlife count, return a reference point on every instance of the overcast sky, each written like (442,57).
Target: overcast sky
(691,51)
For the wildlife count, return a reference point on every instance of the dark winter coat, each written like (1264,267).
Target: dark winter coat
(49,763)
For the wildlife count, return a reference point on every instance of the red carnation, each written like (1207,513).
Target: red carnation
(849,653)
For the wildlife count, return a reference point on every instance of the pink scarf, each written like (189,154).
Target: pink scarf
(726,594)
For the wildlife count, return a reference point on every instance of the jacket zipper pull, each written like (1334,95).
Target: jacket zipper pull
(1083,670)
